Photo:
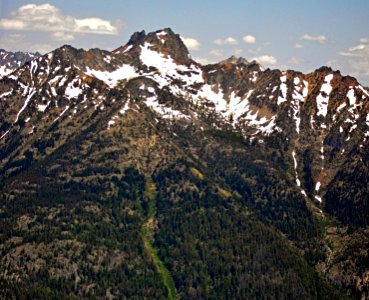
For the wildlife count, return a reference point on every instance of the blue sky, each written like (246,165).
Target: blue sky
(300,35)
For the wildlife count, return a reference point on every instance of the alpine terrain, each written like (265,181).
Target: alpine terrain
(10,61)
(142,174)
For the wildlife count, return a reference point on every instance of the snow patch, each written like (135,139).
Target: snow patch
(1,137)
(111,122)
(297,99)
(42,107)
(298,182)
(127,49)
(294,159)
(364,90)
(167,69)
(125,108)
(73,90)
(237,108)
(34,66)
(24,106)
(62,113)
(5,71)
(55,79)
(107,59)
(160,35)
(323,100)
(353,127)
(166,112)
(351,96)
(339,108)
(32,130)
(6,94)
(283,89)
(112,78)
(254,76)
(53,91)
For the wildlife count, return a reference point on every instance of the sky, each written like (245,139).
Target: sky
(290,34)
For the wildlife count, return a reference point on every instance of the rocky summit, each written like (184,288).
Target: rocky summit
(142,174)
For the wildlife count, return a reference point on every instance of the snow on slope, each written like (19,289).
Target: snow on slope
(167,69)
(323,98)
(112,78)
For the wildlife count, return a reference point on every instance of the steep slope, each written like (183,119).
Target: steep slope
(230,149)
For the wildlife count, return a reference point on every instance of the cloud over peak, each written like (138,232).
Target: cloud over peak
(249,39)
(361,50)
(46,17)
(191,43)
(266,59)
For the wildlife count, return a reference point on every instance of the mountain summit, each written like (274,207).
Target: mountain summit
(140,173)
(163,41)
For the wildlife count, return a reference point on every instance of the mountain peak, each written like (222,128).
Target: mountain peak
(236,60)
(145,133)
(137,37)
(164,41)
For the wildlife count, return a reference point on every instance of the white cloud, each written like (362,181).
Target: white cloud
(317,38)
(216,52)
(191,43)
(46,17)
(227,41)
(266,59)
(249,39)
(357,62)
(298,46)
(361,50)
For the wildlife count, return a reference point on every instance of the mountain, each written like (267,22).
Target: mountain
(10,61)
(140,173)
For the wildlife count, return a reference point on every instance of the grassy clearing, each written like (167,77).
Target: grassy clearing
(146,233)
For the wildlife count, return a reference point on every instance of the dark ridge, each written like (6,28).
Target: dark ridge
(137,38)
(324,69)
(236,60)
